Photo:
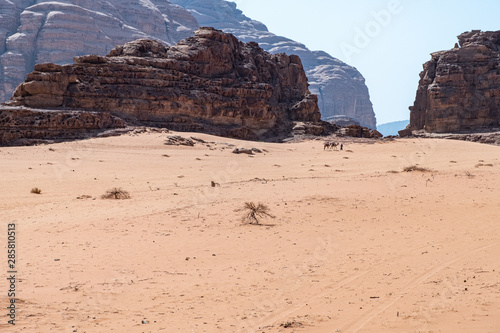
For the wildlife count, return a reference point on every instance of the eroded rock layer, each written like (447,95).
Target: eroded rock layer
(24,126)
(210,82)
(459,89)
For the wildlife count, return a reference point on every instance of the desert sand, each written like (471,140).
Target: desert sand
(356,245)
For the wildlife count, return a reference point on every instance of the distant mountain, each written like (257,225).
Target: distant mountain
(33,32)
(341,89)
(393,127)
(41,31)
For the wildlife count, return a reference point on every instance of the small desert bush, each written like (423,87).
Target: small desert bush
(416,168)
(291,324)
(116,193)
(254,212)
(36,190)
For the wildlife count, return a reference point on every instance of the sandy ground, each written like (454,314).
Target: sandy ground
(356,244)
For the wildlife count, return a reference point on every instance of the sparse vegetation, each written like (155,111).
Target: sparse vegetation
(412,168)
(254,212)
(116,193)
(36,190)
(291,324)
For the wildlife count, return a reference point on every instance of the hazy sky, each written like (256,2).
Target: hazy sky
(388,41)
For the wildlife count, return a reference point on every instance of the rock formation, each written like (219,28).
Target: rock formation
(459,89)
(33,32)
(210,82)
(340,88)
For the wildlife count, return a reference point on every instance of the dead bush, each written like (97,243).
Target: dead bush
(36,190)
(254,212)
(116,193)
(412,168)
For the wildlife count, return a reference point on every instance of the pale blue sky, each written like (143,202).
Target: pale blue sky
(386,40)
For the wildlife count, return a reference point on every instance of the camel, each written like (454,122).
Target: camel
(329,145)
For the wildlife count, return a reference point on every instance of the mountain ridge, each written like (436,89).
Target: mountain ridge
(41,31)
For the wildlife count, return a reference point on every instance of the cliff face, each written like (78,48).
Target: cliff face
(459,89)
(340,88)
(210,82)
(33,32)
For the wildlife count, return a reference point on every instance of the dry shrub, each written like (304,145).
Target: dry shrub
(36,190)
(254,212)
(116,193)
(291,324)
(416,168)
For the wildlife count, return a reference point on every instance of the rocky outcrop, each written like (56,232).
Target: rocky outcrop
(33,32)
(24,126)
(210,82)
(486,136)
(340,88)
(357,131)
(459,89)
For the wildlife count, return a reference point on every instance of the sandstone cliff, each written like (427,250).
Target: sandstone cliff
(33,32)
(340,88)
(459,89)
(42,31)
(210,82)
